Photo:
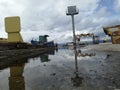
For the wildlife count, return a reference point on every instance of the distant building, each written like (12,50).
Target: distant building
(114,33)
(43,38)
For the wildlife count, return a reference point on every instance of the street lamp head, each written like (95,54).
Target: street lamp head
(72,10)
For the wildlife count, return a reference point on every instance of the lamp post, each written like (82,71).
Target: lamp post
(72,11)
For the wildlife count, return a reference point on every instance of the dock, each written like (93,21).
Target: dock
(9,57)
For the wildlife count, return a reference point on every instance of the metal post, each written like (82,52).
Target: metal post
(93,39)
(73,26)
(73,11)
(76,62)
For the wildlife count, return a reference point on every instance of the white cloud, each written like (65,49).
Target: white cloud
(39,17)
(117,5)
(8,8)
(85,5)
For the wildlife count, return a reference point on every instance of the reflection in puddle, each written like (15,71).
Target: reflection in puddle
(16,79)
(80,54)
(76,80)
(45,57)
(64,70)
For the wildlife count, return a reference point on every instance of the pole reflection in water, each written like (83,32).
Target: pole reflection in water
(76,80)
(16,79)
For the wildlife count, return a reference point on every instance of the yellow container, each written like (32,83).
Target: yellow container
(12,27)
(12,24)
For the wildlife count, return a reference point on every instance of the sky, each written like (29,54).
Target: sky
(40,17)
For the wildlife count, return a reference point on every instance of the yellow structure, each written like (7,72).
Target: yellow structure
(16,79)
(114,33)
(12,27)
(3,40)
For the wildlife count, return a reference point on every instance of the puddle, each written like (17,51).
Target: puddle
(65,69)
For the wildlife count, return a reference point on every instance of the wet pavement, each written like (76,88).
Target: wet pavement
(65,69)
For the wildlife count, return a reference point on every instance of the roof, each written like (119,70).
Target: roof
(107,29)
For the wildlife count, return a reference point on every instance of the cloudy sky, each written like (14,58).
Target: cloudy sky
(39,17)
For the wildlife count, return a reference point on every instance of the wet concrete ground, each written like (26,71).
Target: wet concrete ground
(64,70)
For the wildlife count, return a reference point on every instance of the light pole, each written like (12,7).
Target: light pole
(72,11)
